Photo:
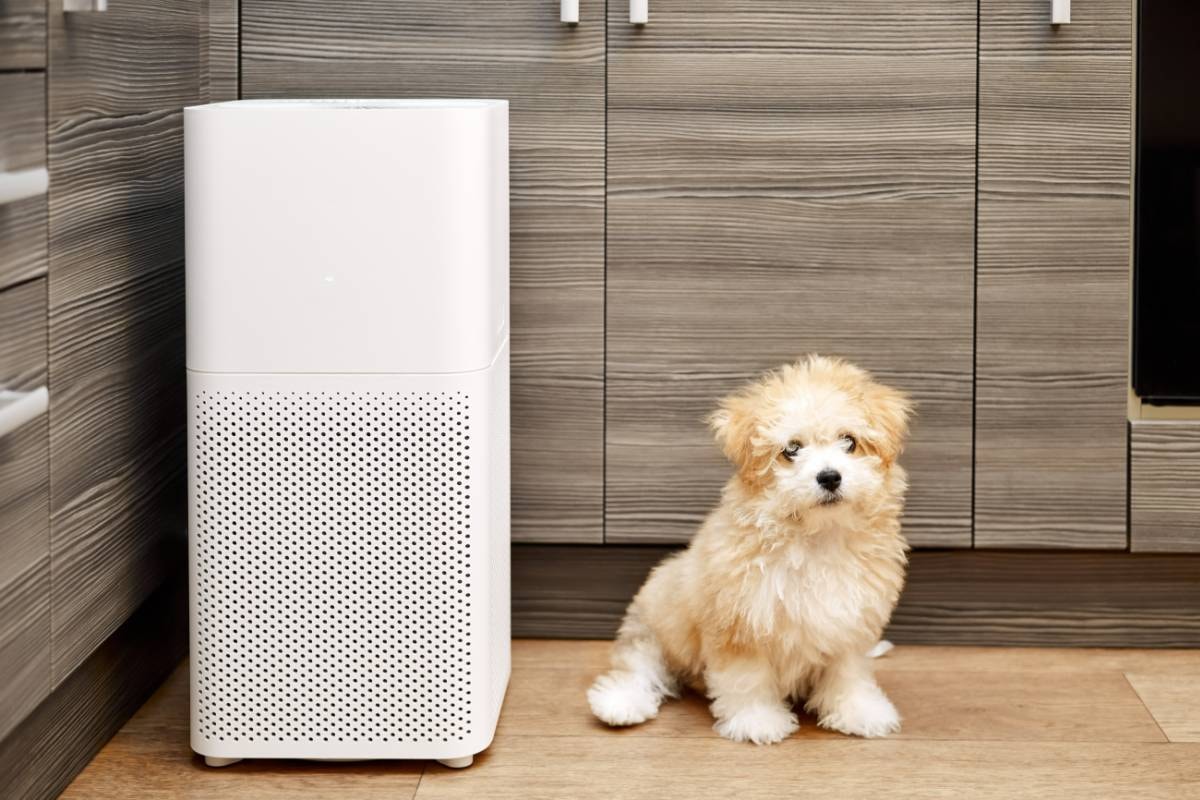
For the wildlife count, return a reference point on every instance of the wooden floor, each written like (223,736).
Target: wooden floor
(978,723)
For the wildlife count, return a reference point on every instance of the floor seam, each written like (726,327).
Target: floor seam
(420,778)
(1142,700)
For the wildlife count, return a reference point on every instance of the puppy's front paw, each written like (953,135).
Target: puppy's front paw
(866,711)
(621,699)
(761,724)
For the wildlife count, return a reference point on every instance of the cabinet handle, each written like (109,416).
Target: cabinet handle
(17,408)
(639,12)
(570,12)
(85,5)
(1060,12)
(23,183)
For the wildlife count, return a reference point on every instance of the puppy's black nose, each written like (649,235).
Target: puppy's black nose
(829,479)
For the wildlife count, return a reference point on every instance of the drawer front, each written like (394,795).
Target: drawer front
(24,512)
(1164,486)
(22,154)
(1052,276)
(22,34)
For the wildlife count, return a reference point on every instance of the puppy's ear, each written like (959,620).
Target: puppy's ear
(736,425)
(888,411)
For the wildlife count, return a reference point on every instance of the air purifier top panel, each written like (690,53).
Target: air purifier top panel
(353,104)
(346,236)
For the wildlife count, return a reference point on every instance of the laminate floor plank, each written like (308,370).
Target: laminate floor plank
(531,768)
(1173,700)
(978,722)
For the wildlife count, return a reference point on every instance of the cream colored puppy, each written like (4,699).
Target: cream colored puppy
(789,583)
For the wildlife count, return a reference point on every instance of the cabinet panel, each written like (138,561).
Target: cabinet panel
(22,147)
(118,82)
(786,178)
(553,77)
(1053,275)
(1164,486)
(22,34)
(24,513)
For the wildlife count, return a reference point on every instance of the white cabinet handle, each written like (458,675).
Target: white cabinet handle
(1060,12)
(85,5)
(17,408)
(639,12)
(570,12)
(23,183)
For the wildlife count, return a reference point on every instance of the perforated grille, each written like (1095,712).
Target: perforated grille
(333,555)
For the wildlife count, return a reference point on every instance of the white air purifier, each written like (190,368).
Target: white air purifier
(348,430)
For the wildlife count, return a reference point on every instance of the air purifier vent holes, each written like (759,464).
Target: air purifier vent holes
(332,578)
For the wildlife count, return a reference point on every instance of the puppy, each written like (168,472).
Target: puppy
(789,583)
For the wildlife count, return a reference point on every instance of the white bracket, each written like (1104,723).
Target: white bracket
(639,12)
(1060,12)
(23,183)
(85,5)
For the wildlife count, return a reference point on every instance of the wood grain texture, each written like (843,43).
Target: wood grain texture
(937,699)
(529,654)
(24,513)
(219,39)
(118,84)
(782,182)
(530,768)
(24,642)
(22,146)
(42,755)
(553,77)
(952,597)
(1174,700)
(1164,486)
(981,722)
(24,480)
(1053,275)
(22,34)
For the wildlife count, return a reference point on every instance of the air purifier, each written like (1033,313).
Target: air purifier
(348,432)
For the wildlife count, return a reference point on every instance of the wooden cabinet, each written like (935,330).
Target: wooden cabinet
(118,84)
(24,511)
(937,191)
(553,77)
(22,155)
(24,455)
(1053,275)
(786,178)
(22,34)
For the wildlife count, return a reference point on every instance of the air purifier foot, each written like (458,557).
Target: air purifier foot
(214,761)
(457,763)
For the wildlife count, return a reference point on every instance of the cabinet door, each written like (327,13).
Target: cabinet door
(784,178)
(118,82)
(24,512)
(1053,269)
(553,77)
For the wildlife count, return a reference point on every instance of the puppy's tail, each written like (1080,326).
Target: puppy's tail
(639,681)
(881,649)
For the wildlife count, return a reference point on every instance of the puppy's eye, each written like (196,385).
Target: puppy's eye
(792,450)
(850,443)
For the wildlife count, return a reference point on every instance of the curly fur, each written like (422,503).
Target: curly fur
(787,586)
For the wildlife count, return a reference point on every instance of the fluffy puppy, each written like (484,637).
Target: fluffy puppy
(789,583)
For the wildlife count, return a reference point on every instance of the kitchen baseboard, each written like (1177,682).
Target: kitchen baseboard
(965,597)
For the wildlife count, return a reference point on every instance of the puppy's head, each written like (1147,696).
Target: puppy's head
(815,435)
